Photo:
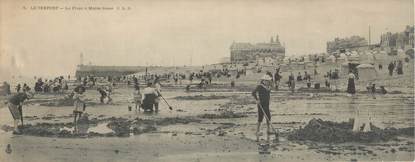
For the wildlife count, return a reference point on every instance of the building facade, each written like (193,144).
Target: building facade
(350,43)
(104,71)
(249,53)
(403,40)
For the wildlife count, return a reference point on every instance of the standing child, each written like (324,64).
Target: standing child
(79,103)
(291,82)
(103,94)
(371,89)
(309,83)
(277,78)
(137,98)
(109,92)
(18,87)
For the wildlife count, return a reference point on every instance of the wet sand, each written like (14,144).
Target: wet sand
(211,131)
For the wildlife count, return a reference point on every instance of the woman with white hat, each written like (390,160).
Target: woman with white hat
(262,100)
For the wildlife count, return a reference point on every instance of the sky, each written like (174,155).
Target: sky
(179,32)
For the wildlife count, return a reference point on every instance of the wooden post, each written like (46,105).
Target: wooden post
(145,78)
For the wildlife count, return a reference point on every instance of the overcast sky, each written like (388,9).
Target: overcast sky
(173,32)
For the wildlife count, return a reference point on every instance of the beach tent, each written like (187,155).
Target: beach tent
(367,58)
(353,53)
(344,69)
(347,53)
(410,53)
(381,56)
(353,58)
(308,63)
(286,60)
(331,58)
(342,58)
(366,72)
(401,55)
(371,58)
(300,63)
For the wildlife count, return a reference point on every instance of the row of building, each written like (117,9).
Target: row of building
(273,52)
(390,42)
(402,40)
(341,44)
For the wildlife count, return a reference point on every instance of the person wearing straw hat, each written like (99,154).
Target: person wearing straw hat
(149,94)
(262,99)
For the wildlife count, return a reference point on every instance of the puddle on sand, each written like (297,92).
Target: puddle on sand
(101,128)
(85,129)
(67,129)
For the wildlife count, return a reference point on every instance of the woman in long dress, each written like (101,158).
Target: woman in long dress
(399,68)
(351,89)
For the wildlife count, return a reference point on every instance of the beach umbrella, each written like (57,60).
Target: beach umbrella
(367,72)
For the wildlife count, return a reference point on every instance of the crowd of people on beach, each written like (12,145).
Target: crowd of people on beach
(59,84)
(148,98)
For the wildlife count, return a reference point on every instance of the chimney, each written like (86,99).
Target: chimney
(81,59)
(277,40)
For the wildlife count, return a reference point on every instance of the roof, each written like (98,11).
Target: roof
(368,66)
(268,45)
(241,45)
(343,56)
